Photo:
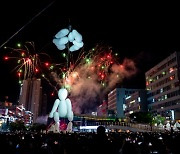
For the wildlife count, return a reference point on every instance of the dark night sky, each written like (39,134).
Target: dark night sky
(146,33)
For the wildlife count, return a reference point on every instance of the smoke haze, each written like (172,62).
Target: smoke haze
(90,81)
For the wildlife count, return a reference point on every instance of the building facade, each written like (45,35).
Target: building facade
(116,101)
(31,96)
(136,102)
(163,86)
(102,109)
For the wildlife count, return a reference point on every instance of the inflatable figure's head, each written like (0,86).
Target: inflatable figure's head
(62,93)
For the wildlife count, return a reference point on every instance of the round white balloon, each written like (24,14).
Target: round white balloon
(61,47)
(55,41)
(64,36)
(62,33)
(63,40)
(80,45)
(73,48)
(78,38)
(70,37)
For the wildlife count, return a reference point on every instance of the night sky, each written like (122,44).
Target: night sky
(146,34)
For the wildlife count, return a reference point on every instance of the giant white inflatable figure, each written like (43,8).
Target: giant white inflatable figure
(62,108)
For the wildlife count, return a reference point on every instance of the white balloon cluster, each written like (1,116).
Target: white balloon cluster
(64,36)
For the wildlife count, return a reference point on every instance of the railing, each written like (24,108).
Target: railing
(146,127)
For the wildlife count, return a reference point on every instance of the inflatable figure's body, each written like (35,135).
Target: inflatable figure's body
(62,108)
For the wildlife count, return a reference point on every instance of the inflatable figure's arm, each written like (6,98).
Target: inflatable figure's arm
(69,109)
(54,108)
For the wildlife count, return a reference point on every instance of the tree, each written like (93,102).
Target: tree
(141,117)
(38,127)
(18,125)
(158,119)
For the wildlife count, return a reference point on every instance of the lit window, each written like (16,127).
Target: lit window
(171,70)
(162,98)
(132,102)
(124,107)
(130,112)
(128,97)
(172,85)
(149,88)
(147,83)
(139,99)
(172,77)
(161,90)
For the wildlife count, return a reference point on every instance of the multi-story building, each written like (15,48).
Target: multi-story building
(136,102)
(43,106)
(162,83)
(31,96)
(116,101)
(102,109)
(7,108)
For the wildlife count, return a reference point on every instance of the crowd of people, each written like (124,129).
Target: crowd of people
(99,142)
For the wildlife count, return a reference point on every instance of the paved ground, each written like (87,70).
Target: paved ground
(124,128)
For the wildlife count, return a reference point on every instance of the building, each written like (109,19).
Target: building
(12,113)
(43,106)
(136,102)
(7,108)
(8,112)
(102,109)
(116,101)
(31,96)
(162,83)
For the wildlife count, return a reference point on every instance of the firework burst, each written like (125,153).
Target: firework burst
(87,75)
(28,60)
(93,74)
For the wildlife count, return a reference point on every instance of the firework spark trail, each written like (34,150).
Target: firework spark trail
(28,59)
(89,77)
(49,82)
(94,74)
